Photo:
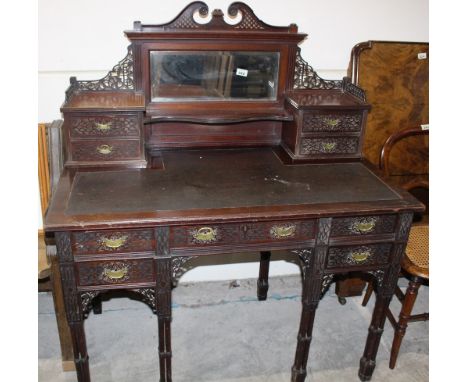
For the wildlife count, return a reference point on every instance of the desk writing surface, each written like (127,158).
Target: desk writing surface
(214,179)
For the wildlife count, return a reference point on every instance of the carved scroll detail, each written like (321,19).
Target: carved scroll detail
(119,78)
(248,21)
(305,77)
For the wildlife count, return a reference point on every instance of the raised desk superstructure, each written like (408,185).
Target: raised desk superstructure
(150,183)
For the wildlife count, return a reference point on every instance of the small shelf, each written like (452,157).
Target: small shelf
(213,119)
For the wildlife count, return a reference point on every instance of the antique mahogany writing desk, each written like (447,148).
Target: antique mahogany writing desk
(217,138)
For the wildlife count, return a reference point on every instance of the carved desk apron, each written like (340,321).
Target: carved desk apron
(135,229)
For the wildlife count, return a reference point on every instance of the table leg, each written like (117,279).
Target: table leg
(262,282)
(73,308)
(163,265)
(384,294)
(312,291)
(367,363)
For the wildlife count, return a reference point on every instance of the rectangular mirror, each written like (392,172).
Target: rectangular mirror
(213,76)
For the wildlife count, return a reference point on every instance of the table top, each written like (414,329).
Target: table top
(202,185)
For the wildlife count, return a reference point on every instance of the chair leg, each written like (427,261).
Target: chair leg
(405,315)
(368,293)
(262,283)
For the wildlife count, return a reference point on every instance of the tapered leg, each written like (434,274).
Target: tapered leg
(400,330)
(262,283)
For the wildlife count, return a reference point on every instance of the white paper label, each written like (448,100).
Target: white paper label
(271,84)
(242,72)
(425,127)
(422,56)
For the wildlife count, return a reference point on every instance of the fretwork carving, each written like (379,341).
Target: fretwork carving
(162,241)
(86,301)
(356,91)
(405,225)
(326,281)
(329,145)
(148,297)
(324,231)
(378,276)
(305,77)
(119,78)
(63,243)
(70,295)
(180,266)
(321,122)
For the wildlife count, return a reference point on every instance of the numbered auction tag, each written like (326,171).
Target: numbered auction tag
(242,72)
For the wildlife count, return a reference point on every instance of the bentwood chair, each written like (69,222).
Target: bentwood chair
(415,264)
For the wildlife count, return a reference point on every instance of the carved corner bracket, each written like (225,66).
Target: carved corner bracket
(120,77)
(305,77)
(180,265)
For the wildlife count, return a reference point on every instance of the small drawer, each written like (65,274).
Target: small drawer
(363,225)
(105,150)
(103,242)
(358,255)
(104,125)
(329,145)
(330,122)
(90,273)
(251,233)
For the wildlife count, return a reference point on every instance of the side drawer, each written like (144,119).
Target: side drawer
(319,121)
(252,233)
(103,242)
(363,225)
(104,125)
(127,271)
(105,150)
(329,145)
(358,255)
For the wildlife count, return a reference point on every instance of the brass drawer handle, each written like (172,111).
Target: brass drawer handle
(116,273)
(283,231)
(364,226)
(114,242)
(360,256)
(204,235)
(104,149)
(332,122)
(328,146)
(103,126)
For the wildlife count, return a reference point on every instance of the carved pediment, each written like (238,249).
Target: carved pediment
(196,16)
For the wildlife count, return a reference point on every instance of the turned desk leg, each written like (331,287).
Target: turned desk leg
(262,282)
(72,301)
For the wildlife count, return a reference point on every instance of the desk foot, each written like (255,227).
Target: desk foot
(366,368)
(262,283)
(81,354)
(298,375)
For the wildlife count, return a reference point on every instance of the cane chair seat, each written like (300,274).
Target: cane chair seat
(416,260)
